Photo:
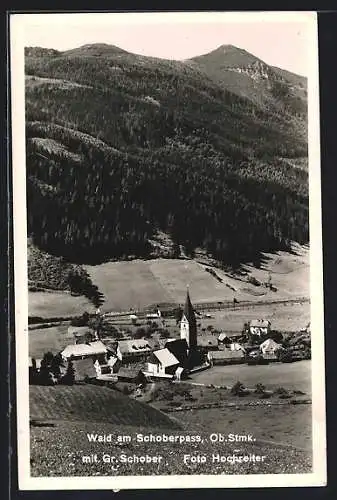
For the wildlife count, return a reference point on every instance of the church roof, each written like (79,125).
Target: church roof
(188,310)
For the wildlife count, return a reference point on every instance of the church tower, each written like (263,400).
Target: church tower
(188,324)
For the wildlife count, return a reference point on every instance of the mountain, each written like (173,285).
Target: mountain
(97,49)
(122,147)
(244,74)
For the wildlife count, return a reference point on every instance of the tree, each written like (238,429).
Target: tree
(46,372)
(69,377)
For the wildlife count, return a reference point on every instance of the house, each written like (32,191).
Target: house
(226,356)
(270,349)
(162,363)
(34,363)
(134,319)
(81,334)
(223,339)
(133,350)
(113,348)
(88,350)
(132,374)
(259,327)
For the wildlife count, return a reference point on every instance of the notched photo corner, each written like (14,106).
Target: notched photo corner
(166,172)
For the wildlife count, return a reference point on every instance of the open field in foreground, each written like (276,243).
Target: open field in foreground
(92,403)
(286,424)
(292,376)
(59,451)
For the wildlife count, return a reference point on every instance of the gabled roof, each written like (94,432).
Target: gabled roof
(222,336)
(134,346)
(165,357)
(89,349)
(269,344)
(261,323)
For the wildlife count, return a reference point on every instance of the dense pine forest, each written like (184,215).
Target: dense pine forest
(121,146)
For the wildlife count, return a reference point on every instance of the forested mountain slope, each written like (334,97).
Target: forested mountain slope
(121,146)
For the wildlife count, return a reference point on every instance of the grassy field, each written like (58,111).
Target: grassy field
(294,376)
(92,403)
(289,424)
(138,283)
(284,317)
(53,339)
(49,304)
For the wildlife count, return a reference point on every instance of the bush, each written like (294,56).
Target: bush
(259,389)
(81,320)
(165,333)
(238,389)
(127,390)
(285,356)
(300,393)
(140,333)
(280,391)
(254,281)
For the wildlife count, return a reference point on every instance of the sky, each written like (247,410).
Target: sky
(279,39)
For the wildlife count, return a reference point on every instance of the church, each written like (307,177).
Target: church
(189,334)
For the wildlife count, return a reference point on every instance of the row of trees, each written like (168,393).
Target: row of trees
(52,371)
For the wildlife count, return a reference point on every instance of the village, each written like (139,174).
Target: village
(168,345)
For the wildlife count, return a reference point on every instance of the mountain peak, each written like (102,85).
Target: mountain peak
(96,49)
(228,55)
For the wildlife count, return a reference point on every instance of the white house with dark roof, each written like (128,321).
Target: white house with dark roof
(162,363)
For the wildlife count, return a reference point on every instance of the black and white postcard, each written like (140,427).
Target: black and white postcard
(167,250)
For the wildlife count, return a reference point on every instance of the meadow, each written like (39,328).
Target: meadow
(292,376)
(140,283)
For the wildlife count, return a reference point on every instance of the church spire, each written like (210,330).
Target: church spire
(188,325)
(188,309)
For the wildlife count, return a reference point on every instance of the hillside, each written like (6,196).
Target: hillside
(90,403)
(250,77)
(52,274)
(122,147)
(138,283)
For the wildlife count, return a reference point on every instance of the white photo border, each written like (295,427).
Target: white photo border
(18,23)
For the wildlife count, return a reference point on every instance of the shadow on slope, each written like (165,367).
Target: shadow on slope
(91,403)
